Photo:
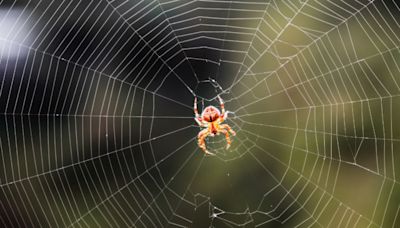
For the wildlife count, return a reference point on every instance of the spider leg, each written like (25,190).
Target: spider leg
(228,128)
(222,105)
(228,139)
(202,144)
(198,119)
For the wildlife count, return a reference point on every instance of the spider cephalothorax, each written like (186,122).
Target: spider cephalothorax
(211,118)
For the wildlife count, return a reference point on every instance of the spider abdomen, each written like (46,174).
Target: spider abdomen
(210,114)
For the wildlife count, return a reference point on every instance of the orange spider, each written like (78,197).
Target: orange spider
(211,118)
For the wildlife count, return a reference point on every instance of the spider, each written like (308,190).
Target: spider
(211,118)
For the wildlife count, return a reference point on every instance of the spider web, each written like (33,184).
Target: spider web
(97,125)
